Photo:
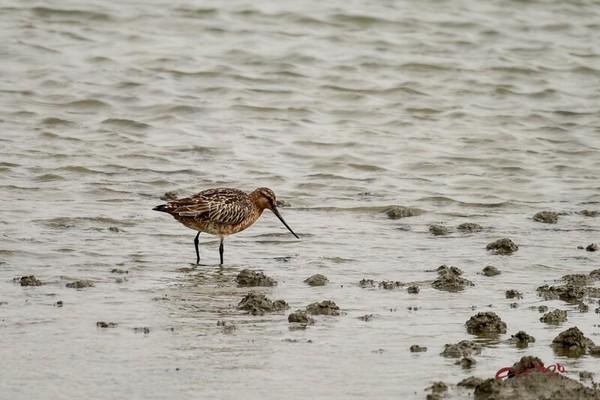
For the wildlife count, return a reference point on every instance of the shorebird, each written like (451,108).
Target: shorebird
(222,212)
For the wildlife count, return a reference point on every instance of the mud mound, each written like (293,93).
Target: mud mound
(438,230)
(464,348)
(521,339)
(490,270)
(502,246)
(396,212)
(387,285)
(547,217)
(569,293)
(300,317)
(247,277)
(80,284)
(485,322)
(554,317)
(326,307)
(449,280)
(469,227)
(259,304)
(316,280)
(572,343)
(30,280)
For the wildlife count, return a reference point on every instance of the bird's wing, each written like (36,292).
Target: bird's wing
(222,206)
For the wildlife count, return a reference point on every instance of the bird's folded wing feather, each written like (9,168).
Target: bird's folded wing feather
(222,208)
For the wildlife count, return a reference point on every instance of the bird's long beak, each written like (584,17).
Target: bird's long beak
(276,212)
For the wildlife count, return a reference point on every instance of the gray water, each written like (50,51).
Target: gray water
(473,111)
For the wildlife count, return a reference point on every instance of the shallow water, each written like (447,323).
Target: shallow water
(474,112)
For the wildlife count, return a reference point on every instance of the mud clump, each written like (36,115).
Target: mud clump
(367,283)
(521,339)
(438,391)
(470,382)
(531,381)
(367,317)
(80,284)
(104,324)
(449,279)
(592,247)
(390,285)
(326,307)
(413,289)
(569,293)
(259,304)
(300,317)
(490,271)
(316,280)
(119,271)
(466,362)
(464,348)
(415,348)
(387,285)
(512,293)
(30,280)
(572,342)
(577,279)
(502,246)
(590,213)
(469,227)
(546,217)
(438,230)
(485,323)
(247,277)
(396,212)
(227,327)
(554,317)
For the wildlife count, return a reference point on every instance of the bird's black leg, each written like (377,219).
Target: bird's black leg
(197,252)
(221,251)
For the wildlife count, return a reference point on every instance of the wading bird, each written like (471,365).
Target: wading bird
(222,212)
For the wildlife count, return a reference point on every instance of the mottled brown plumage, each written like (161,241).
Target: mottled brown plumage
(222,212)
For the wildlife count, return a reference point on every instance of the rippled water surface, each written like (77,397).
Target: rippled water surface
(483,112)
